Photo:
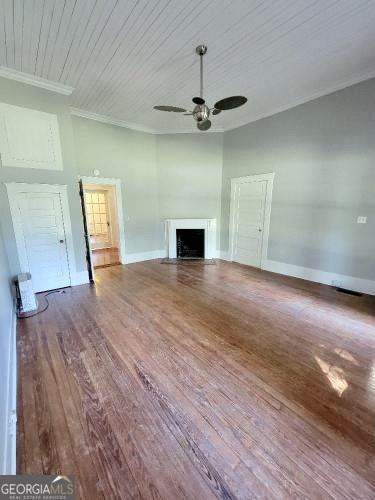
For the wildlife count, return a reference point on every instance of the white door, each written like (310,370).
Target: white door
(248,204)
(43,231)
(98,219)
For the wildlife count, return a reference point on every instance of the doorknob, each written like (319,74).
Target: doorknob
(62,241)
(260,229)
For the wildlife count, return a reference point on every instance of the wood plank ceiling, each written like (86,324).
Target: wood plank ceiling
(123,57)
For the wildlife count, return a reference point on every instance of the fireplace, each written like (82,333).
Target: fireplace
(190,238)
(190,243)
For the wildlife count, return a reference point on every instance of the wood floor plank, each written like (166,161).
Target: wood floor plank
(286,364)
(196,384)
(83,468)
(29,460)
(200,382)
(282,373)
(184,389)
(90,339)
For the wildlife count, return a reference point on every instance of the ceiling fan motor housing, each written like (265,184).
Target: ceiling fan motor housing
(201,112)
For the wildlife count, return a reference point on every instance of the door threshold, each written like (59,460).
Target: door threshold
(108,265)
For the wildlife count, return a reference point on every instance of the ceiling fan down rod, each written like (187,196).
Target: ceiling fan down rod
(201,89)
(201,51)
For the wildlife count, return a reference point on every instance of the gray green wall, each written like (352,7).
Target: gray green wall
(130,156)
(19,94)
(6,310)
(323,156)
(163,176)
(189,175)
(185,183)
(322,152)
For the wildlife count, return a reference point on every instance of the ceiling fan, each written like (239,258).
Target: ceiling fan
(201,112)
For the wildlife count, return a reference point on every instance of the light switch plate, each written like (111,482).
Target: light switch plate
(362,219)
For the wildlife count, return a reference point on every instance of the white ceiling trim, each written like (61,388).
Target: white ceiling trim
(133,126)
(190,131)
(36,81)
(303,100)
(109,120)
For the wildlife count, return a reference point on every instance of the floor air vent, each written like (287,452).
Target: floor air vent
(349,292)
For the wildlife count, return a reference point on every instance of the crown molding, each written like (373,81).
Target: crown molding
(190,131)
(36,81)
(303,100)
(82,113)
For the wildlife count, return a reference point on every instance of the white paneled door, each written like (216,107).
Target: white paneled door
(44,237)
(250,208)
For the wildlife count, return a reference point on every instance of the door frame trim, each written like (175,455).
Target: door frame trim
(119,206)
(13,189)
(235,181)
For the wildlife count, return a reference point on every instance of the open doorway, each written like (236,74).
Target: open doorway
(102,224)
(103,221)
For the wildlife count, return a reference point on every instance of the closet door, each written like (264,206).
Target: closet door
(45,247)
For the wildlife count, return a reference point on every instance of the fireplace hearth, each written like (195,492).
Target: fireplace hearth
(190,243)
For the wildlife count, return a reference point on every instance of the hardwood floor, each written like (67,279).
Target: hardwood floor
(104,257)
(200,382)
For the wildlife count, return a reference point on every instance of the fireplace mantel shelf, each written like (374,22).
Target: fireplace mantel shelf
(208,224)
(194,219)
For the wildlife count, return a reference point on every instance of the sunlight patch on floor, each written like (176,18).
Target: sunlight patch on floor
(346,355)
(334,374)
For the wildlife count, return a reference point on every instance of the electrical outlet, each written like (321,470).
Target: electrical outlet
(362,219)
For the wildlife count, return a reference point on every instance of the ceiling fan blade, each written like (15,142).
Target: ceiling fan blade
(216,111)
(170,109)
(198,100)
(204,125)
(231,102)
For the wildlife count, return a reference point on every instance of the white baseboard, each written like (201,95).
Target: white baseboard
(130,258)
(80,278)
(9,461)
(318,276)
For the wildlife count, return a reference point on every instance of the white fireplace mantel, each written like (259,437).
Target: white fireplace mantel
(209,225)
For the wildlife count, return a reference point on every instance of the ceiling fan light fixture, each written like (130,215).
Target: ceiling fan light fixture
(203,126)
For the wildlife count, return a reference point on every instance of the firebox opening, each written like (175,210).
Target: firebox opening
(190,243)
